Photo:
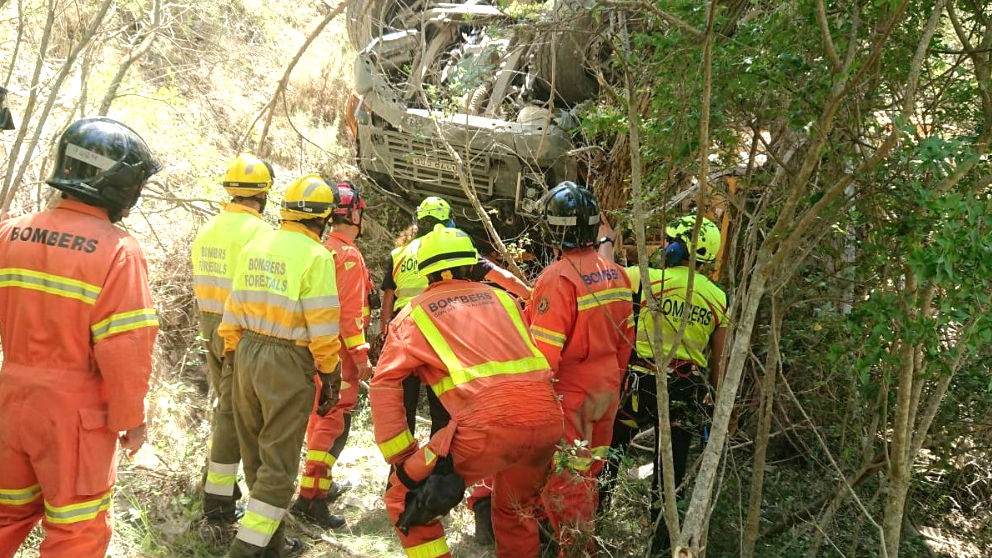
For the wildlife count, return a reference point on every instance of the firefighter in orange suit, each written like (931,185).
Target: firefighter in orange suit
(505,418)
(581,320)
(327,435)
(78,327)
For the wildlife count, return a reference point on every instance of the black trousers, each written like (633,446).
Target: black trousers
(639,411)
(411,397)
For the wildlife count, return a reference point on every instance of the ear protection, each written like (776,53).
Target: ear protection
(675,252)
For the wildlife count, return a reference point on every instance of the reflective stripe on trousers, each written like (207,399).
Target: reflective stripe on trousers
(74,513)
(259,522)
(396,444)
(430,549)
(321,457)
(221,478)
(20,496)
(308,482)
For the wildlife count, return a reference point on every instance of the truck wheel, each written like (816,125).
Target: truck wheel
(368,19)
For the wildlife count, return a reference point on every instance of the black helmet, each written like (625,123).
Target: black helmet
(571,215)
(103,163)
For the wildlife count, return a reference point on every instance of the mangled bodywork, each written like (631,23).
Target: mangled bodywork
(480,78)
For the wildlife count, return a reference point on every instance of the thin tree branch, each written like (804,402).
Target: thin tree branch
(828,41)
(146,44)
(833,463)
(270,107)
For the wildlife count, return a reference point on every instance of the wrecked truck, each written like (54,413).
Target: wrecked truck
(500,86)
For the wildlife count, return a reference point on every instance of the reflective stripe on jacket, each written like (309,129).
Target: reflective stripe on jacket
(461,338)
(581,318)
(707,312)
(215,253)
(354,286)
(285,287)
(75,308)
(406,275)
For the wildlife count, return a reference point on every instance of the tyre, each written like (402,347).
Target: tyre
(368,19)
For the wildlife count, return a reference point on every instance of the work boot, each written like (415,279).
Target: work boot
(241,549)
(282,546)
(336,490)
(223,509)
(317,512)
(484,521)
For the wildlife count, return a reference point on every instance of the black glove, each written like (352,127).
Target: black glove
(373,300)
(330,390)
(434,497)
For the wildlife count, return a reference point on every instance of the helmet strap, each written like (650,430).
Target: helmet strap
(116,214)
(360,222)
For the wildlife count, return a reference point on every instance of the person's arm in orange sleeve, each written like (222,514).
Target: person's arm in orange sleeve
(322,312)
(396,363)
(123,328)
(606,249)
(486,270)
(508,282)
(351,278)
(551,315)
(230,327)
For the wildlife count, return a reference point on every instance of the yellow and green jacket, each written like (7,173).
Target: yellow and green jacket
(216,250)
(406,275)
(285,287)
(707,312)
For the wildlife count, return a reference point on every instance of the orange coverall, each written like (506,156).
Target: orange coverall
(78,326)
(469,343)
(327,435)
(582,320)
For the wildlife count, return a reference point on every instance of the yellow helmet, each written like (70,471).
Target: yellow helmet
(445,248)
(247,176)
(435,207)
(308,197)
(708,246)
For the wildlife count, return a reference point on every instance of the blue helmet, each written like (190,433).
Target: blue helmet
(571,215)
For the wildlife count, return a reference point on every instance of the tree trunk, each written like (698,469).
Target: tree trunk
(29,109)
(17,42)
(767,409)
(702,492)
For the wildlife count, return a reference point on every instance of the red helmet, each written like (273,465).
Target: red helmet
(351,202)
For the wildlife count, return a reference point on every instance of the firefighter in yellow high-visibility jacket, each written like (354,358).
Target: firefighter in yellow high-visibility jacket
(215,256)
(280,323)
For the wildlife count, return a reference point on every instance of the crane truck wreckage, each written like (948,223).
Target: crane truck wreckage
(502,88)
